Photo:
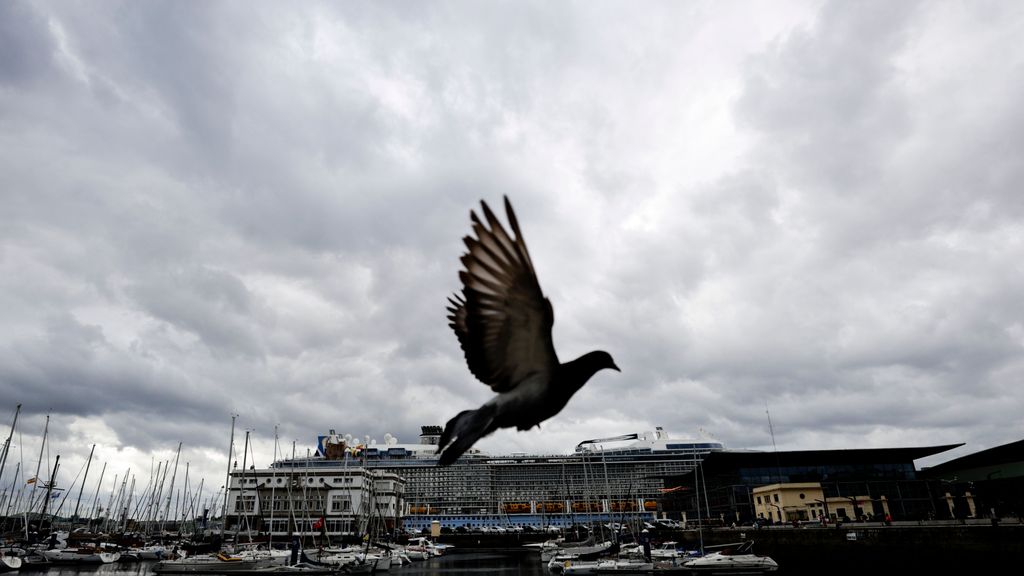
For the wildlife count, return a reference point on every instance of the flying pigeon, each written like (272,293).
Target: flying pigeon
(503,323)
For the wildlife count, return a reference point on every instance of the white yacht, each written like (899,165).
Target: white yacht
(738,560)
(80,556)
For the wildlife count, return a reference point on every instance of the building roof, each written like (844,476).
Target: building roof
(1012,453)
(734,459)
(734,466)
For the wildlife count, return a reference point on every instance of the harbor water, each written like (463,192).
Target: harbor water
(902,560)
(469,563)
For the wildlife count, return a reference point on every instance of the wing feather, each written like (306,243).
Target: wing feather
(502,319)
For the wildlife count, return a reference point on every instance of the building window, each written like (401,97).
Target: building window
(341,503)
(758,499)
(775,497)
(246,504)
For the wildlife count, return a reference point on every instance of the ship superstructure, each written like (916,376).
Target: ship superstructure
(603,480)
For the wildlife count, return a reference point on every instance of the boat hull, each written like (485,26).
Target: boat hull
(746,564)
(76,556)
(10,563)
(205,566)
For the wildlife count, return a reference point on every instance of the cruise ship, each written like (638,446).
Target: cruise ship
(612,479)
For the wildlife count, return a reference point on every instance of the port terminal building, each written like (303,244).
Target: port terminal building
(847,485)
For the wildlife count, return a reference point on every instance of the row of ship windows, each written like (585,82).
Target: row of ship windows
(281,481)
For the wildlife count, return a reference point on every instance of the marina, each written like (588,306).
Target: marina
(606,507)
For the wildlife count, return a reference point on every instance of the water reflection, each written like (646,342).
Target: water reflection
(468,563)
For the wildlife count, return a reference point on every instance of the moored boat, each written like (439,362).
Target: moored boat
(154,552)
(738,560)
(10,563)
(85,555)
(207,564)
(667,551)
(624,567)
(304,568)
(579,551)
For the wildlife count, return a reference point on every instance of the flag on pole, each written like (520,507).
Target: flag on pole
(318,524)
(31,481)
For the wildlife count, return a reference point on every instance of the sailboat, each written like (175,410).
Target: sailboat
(736,558)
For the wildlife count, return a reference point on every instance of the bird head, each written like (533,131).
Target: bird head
(601,360)
(576,373)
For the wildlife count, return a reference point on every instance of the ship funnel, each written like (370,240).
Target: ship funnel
(430,435)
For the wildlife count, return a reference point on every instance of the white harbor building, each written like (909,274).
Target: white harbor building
(313,499)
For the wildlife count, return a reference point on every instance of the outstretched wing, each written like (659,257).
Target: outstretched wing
(502,319)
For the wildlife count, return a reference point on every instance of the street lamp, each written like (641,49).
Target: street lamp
(824,505)
(853,502)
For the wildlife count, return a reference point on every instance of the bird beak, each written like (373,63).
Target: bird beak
(616,368)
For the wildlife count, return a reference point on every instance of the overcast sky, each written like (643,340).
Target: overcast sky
(212,208)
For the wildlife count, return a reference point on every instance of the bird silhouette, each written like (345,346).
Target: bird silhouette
(503,323)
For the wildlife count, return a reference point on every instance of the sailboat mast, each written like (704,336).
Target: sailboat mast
(273,485)
(199,504)
(88,463)
(110,502)
(227,476)
(96,497)
(49,489)
(241,492)
(170,491)
(771,431)
(128,504)
(180,512)
(10,501)
(39,464)
(150,494)
(7,443)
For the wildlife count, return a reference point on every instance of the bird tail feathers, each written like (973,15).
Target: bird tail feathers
(463,431)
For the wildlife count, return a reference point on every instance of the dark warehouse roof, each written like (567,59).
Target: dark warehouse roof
(734,459)
(1011,453)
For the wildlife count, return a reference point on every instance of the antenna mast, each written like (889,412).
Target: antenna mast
(771,430)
